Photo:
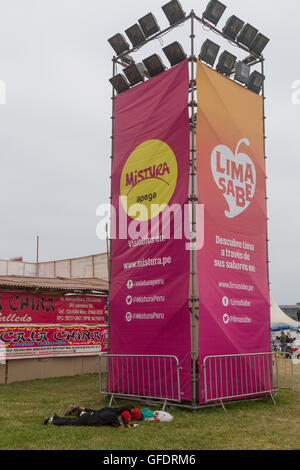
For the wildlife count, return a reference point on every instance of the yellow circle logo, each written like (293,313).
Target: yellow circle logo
(148,180)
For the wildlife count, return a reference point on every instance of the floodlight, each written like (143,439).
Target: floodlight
(173,11)
(232,27)
(119,43)
(120,83)
(226,63)
(135,73)
(242,72)
(214,11)
(174,53)
(154,65)
(209,52)
(135,35)
(149,25)
(259,44)
(247,35)
(256,81)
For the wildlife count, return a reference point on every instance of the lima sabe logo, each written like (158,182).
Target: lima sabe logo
(235,176)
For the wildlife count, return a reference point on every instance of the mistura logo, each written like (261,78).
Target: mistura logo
(152,172)
(148,179)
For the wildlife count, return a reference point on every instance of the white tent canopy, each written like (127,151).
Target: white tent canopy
(281,321)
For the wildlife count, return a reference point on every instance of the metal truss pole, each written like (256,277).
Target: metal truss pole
(265,160)
(110,198)
(264,143)
(193,200)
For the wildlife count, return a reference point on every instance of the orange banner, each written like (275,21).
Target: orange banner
(232,266)
(230,126)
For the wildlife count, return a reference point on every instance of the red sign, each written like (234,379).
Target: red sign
(16,308)
(32,341)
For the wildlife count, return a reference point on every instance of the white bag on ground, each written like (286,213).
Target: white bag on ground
(163,416)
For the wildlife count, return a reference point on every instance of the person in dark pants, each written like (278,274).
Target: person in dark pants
(283,341)
(116,417)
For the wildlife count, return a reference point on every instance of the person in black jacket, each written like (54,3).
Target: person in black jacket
(106,416)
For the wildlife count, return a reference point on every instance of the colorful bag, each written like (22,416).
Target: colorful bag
(147,414)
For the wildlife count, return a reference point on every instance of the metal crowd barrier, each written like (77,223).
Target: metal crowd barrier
(231,377)
(284,365)
(140,376)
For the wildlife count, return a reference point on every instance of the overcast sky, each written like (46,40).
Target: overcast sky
(55,126)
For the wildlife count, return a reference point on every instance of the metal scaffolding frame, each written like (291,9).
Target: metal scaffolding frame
(252,59)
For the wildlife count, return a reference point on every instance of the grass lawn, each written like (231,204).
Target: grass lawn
(255,425)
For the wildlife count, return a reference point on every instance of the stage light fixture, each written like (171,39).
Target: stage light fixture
(256,81)
(232,27)
(259,44)
(226,63)
(209,52)
(174,53)
(119,43)
(154,65)
(135,73)
(120,83)
(247,35)
(214,11)
(135,35)
(149,25)
(242,72)
(174,11)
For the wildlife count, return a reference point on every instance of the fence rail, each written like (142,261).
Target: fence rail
(225,377)
(140,376)
(94,266)
(229,377)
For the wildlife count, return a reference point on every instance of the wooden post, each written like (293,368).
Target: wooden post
(37,248)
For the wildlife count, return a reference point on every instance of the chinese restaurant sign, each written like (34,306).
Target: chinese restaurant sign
(42,325)
(29,308)
(36,341)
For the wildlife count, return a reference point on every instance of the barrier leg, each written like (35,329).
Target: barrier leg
(274,402)
(223,406)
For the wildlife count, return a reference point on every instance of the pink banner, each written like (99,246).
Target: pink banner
(149,309)
(16,308)
(234,313)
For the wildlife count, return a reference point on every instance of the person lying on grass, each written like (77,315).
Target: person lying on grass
(116,417)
